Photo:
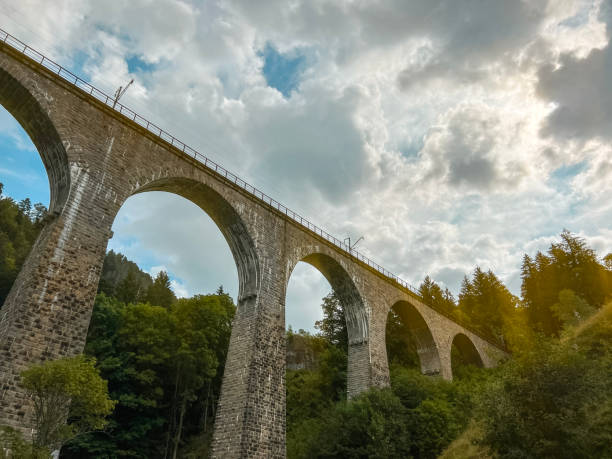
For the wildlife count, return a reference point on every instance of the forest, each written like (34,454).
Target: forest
(157,363)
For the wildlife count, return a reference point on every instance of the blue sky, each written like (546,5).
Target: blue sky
(282,71)
(447,144)
(21,169)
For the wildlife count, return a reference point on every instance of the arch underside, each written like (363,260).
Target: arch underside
(463,351)
(24,107)
(348,295)
(227,220)
(426,347)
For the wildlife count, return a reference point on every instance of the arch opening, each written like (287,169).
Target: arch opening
(464,355)
(329,360)
(174,329)
(343,287)
(316,333)
(25,109)
(24,199)
(409,341)
(228,223)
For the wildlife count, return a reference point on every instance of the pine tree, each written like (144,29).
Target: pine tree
(160,293)
(333,325)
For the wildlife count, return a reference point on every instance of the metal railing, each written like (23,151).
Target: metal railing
(210,164)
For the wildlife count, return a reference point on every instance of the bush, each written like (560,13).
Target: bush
(370,426)
(417,417)
(555,400)
(69,388)
(13,446)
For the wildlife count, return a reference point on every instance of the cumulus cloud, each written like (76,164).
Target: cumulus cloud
(581,89)
(471,149)
(162,231)
(469,36)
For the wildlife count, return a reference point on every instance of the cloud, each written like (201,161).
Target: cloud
(162,231)
(310,144)
(467,150)
(305,291)
(468,37)
(581,90)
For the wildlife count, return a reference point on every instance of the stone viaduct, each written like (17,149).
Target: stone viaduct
(97,154)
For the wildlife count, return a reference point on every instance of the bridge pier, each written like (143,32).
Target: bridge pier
(46,314)
(250,419)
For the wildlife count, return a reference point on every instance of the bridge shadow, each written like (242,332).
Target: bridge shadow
(464,354)
(409,341)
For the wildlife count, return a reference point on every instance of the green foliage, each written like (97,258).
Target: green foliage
(123,279)
(569,265)
(312,391)
(320,381)
(417,417)
(468,445)
(433,295)
(571,309)
(370,426)
(333,325)
(13,446)
(20,224)
(164,366)
(401,347)
(66,388)
(554,401)
(487,303)
(160,292)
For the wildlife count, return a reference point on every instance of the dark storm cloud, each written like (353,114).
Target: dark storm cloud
(471,34)
(582,90)
(461,152)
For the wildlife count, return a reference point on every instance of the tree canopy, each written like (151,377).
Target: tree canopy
(20,224)
(69,388)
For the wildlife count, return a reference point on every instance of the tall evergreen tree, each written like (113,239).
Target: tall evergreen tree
(569,265)
(333,325)
(160,293)
(486,302)
(433,295)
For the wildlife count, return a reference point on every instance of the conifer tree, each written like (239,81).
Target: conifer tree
(160,293)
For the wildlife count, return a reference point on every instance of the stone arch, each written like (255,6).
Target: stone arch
(426,347)
(354,309)
(355,313)
(465,352)
(25,108)
(227,220)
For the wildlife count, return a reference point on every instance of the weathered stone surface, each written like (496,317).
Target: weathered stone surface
(96,159)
